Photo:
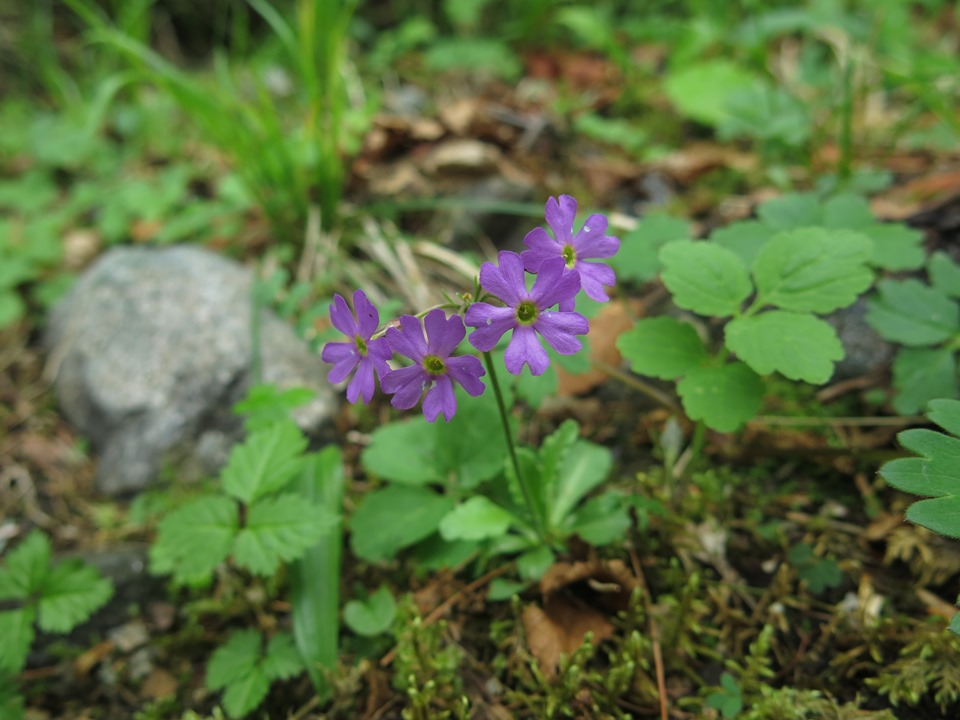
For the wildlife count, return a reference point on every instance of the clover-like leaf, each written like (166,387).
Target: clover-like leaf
(745,238)
(264,462)
(705,278)
(911,313)
(813,269)
(662,347)
(922,374)
(279,528)
(946,414)
(638,258)
(372,617)
(723,397)
(236,667)
(798,346)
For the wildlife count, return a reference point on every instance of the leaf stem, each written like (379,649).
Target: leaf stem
(524,488)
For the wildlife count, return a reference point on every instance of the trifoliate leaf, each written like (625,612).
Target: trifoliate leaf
(813,269)
(799,347)
(942,515)
(283,659)
(921,375)
(279,529)
(705,278)
(194,539)
(394,518)
(788,212)
(477,518)
(724,397)
(16,629)
(235,658)
(373,617)
(946,414)
(662,347)
(26,567)
(245,693)
(944,274)
(744,238)
(638,258)
(728,698)
(911,313)
(70,594)
(264,462)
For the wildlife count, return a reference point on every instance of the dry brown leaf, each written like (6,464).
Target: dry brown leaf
(92,657)
(462,156)
(159,684)
(612,320)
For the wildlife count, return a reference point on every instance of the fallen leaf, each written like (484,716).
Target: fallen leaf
(605,328)
(159,684)
(92,657)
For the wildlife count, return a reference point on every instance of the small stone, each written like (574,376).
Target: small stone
(129,636)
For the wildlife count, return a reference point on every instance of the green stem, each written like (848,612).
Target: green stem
(524,488)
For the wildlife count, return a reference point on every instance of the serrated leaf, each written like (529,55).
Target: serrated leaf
(638,258)
(662,347)
(234,659)
(944,274)
(373,617)
(16,629)
(246,693)
(946,414)
(264,462)
(70,594)
(813,269)
(553,454)
(197,537)
(921,375)
(283,659)
(705,278)
(791,211)
(395,518)
(799,347)
(584,467)
(745,238)
(279,528)
(26,566)
(942,515)
(478,518)
(911,313)
(724,397)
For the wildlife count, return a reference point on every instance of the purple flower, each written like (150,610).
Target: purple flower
(590,242)
(527,313)
(433,369)
(361,352)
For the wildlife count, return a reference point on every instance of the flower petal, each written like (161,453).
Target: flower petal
(592,240)
(342,318)
(443,334)
(368,319)
(560,216)
(408,340)
(593,278)
(440,399)
(362,385)
(406,386)
(559,329)
(541,247)
(491,323)
(505,281)
(467,370)
(379,352)
(554,284)
(524,347)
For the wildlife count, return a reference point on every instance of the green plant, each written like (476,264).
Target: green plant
(372,616)
(35,591)
(925,320)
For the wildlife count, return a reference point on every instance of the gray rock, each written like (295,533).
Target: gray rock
(150,350)
(865,352)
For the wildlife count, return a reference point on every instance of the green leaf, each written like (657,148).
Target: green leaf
(909,312)
(245,693)
(476,519)
(799,347)
(585,465)
(813,269)
(27,566)
(724,397)
(373,617)
(403,452)
(553,454)
(728,700)
(11,701)
(638,259)
(895,246)
(279,528)
(922,374)
(662,347)
(946,414)
(16,629)
(267,405)
(701,90)
(847,211)
(265,462)
(194,539)
(940,472)
(70,594)
(602,520)
(942,515)
(944,274)
(791,211)
(906,474)
(394,518)
(534,563)
(234,659)
(745,238)
(12,308)
(283,659)
(955,624)
(705,278)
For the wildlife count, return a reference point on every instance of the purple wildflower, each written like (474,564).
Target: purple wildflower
(361,352)
(590,242)
(433,369)
(527,312)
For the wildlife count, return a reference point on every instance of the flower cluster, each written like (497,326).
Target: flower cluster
(561,269)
